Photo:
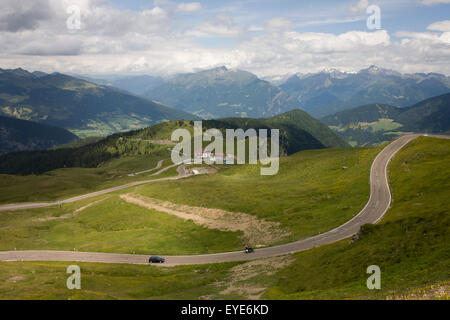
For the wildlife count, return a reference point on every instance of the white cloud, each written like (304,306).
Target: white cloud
(279,23)
(360,7)
(189,6)
(425,37)
(433,2)
(440,26)
(308,52)
(152,41)
(222,26)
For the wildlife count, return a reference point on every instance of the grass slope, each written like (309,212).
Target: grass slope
(68,182)
(308,196)
(111,225)
(410,244)
(47,280)
(310,193)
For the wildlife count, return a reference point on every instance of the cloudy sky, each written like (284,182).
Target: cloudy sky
(269,38)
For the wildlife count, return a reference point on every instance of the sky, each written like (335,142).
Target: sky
(268,38)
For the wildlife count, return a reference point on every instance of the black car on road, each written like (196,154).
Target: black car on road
(156,259)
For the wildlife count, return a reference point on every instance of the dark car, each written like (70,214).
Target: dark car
(248,250)
(156,259)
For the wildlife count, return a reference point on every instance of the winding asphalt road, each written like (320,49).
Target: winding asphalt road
(376,207)
(22,206)
(158,165)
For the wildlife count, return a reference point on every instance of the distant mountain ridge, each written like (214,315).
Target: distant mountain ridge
(80,106)
(136,84)
(19,135)
(431,115)
(331,91)
(222,92)
(379,122)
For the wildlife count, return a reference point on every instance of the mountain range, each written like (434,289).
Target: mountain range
(93,106)
(222,92)
(80,106)
(330,91)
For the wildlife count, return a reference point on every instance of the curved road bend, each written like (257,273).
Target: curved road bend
(21,206)
(376,207)
(158,165)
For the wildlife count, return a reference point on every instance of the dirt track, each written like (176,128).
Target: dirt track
(255,232)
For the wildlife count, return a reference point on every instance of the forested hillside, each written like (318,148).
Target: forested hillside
(298,131)
(18,135)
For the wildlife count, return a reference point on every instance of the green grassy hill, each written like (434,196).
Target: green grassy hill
(18,135)
(298,130)
(82,107)
(409,245)
(47,280)
(301,119)
(109,224)
(67,182)
(307,196)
